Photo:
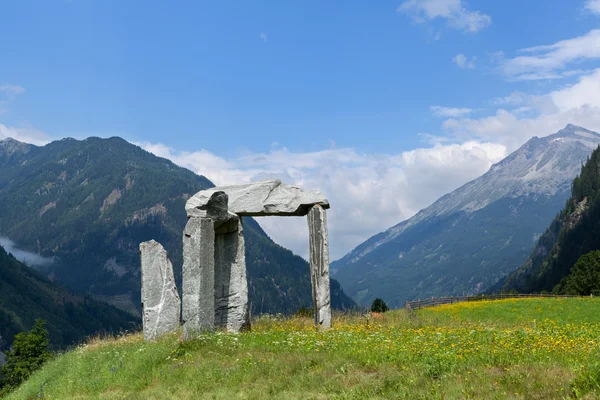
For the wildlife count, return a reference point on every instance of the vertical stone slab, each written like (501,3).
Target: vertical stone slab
(198,286)
(160,301)
(319,265)
(231,285)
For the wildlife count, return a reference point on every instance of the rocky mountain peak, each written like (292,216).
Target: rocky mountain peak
(10,146)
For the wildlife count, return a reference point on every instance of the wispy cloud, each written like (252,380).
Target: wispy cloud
(8,93)
(592,6)
(453,11)
(551,61)
(31,259)
(463,61)
(263,36)
(578,103)
(440,111)
(27,134)
(11,89)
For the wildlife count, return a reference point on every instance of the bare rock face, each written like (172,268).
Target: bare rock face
(269,197)
(198,276)
(319,265)
(160,300)
(231,285)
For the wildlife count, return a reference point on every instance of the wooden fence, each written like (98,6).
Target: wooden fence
(432,302)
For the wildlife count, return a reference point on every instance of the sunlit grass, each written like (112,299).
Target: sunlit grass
(526,348)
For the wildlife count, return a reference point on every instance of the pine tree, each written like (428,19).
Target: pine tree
(379,306)
(28,353)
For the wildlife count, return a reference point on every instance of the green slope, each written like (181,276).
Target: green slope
(26,295)
(90,203)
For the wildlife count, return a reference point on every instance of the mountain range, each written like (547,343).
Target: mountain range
(471,238)
(85,205)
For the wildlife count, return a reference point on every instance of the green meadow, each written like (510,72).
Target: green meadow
(508,349)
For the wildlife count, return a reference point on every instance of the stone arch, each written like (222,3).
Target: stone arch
(215,289)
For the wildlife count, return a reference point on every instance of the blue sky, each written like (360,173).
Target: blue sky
(383,105)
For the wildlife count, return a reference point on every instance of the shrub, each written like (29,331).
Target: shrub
(584,278)
(379,306)
(28,353)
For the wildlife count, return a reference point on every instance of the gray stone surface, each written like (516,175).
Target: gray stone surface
(161,306)
(231,285)
(269,197)
(198,286)
(319,265)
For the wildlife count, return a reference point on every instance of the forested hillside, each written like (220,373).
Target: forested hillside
(26,295)
(574,232)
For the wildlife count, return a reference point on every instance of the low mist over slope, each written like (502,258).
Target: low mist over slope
(470,238)
(88,204)
(26,295)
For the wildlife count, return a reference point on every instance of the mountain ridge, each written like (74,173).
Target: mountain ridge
(89,203)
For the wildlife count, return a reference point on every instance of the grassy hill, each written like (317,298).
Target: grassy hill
(510,349)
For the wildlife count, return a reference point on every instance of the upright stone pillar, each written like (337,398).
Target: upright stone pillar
(160,301)
(198,301)
(231,285)
(319,265)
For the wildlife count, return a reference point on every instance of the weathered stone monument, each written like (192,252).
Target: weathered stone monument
(215,288)
(161,307)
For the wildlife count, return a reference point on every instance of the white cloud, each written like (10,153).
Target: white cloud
(440,111)
(368,192)
(453,11)
(551,61)
(11,89)
(578,104)
(592,6)
(263,36)
(463,61)
(26,134)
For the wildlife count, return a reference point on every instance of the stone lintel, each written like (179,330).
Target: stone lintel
(269,197)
